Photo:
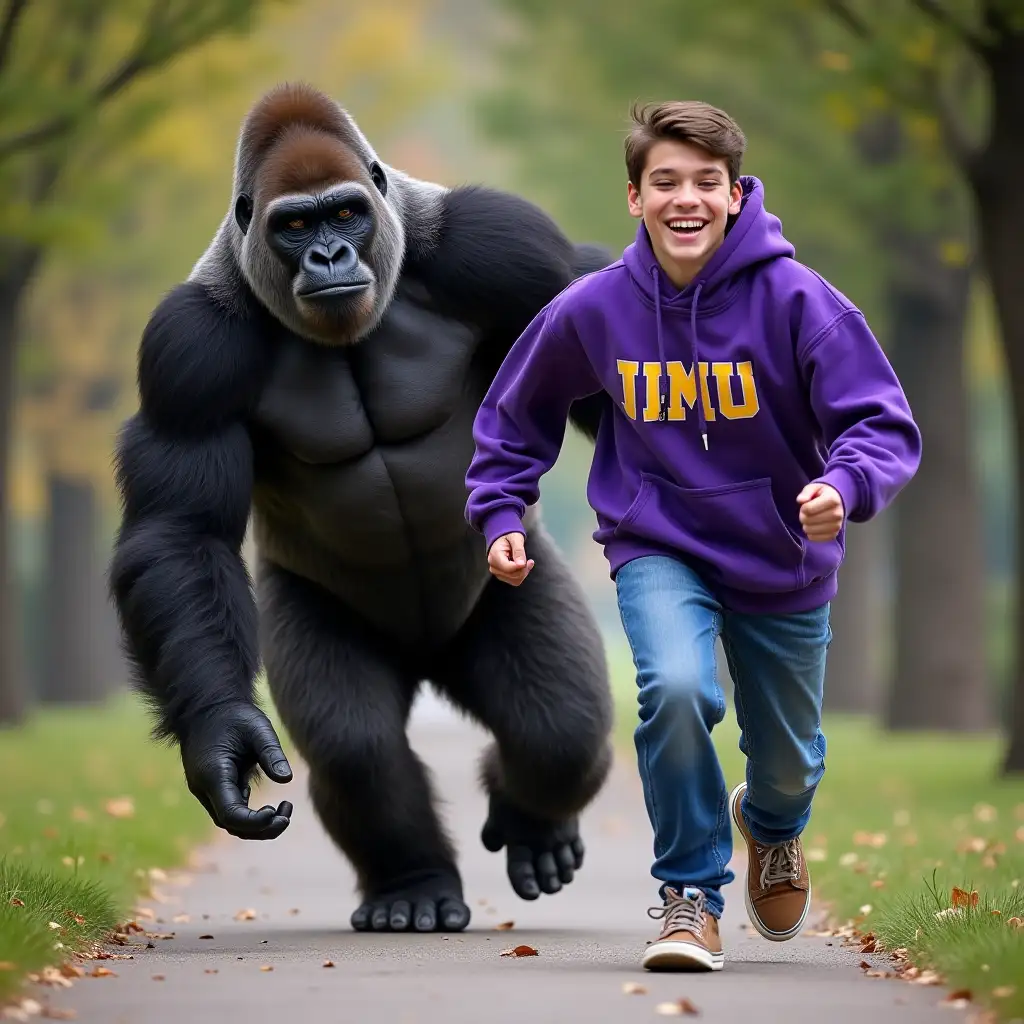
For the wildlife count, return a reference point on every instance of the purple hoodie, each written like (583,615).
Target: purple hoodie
(793,388)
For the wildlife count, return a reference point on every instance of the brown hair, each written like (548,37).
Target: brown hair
(683,121)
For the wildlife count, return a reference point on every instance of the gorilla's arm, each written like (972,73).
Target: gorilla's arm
(185,474)
(501,259)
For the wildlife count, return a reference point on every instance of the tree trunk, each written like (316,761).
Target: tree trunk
(73,669)
(940,678)
(17,265)
(1001,218)
(854,677)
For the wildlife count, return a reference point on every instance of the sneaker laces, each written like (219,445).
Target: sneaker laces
(779,863)
(682,913)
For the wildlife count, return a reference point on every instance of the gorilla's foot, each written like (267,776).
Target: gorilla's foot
(542,855)
(431,902)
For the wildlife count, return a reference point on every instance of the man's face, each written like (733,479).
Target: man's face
(685,200)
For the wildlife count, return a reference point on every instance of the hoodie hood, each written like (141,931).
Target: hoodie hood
(754,237)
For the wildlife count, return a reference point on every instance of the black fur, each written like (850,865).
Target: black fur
(353,459)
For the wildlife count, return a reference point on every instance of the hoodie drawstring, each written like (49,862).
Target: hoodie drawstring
(694,357)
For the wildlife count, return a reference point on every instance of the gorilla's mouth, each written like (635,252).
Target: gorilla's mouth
(336,290)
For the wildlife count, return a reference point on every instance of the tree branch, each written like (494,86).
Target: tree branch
(152,51)
(853,21)
(10,25)
(934,10)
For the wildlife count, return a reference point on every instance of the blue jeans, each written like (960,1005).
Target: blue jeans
(777,664)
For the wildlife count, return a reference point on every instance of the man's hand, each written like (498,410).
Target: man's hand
(507,559)
(821,511)
(220,753)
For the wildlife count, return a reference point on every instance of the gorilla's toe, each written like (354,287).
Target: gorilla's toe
(428,906)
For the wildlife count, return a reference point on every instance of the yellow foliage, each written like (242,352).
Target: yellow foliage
(920,48)
(954,253)
(833,60)
(841,111)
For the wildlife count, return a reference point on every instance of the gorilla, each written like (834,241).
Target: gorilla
(319,371)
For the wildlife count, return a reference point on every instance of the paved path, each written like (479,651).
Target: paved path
(589,937)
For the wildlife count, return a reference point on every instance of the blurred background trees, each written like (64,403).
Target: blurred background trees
(885,131)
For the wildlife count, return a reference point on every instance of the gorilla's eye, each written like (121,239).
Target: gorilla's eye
(343,214)
(296,224)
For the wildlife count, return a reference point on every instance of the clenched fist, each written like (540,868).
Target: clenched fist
(821,511)
(507,559)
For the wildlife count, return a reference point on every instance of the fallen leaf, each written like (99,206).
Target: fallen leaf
(120,807)
(158,874)
(328,963)
(816,853)
(246,915)
(985,812)
(1003,991)
(6,965)
(631,988)
(102,972)
(878,883)
(32,1007)
(964,994)
(963,898)
(145,913)
(505,926)
(158,977)
(266,967)
(520,951)
(206,936)
(294,911)
(210,970)
(77,918)
(53,1013)
(1015,922)
(677,1008)
(15,902)
(181,918)
(71,971)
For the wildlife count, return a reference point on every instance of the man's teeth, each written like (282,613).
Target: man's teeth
(686,225)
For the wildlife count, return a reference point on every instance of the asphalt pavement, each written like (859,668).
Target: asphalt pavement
(256,923)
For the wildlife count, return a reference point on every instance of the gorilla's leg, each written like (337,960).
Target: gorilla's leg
(345,703)
(530,667)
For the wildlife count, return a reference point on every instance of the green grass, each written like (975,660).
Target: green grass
(89,806)
(897,823)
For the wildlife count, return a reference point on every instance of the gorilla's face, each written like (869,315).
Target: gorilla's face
(322,246)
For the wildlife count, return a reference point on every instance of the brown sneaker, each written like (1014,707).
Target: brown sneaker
(689,939)
(778,884)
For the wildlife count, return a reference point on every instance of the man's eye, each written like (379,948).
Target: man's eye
(296,224)
(343,214)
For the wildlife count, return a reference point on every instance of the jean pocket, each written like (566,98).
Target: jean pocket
(734,529)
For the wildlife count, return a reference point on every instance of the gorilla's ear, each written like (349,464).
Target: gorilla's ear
(243,212)
(379,178)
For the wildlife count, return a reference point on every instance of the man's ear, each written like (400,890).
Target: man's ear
(243,212)
(633,200)
(735,198)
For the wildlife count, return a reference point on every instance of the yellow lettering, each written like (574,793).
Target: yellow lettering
(749,406)
(683,388)
(628,369)
(652,374)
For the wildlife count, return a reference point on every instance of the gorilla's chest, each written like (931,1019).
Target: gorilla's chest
(330,406)
(362,451)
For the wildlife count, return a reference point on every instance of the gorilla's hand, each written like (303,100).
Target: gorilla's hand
(220,753)
(541,855)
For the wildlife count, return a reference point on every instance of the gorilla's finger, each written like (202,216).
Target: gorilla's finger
(425,916)
(246,793)
(454,915)
(284,809)
(578,849)
(269,754)
(491,836)
(401,912)
(521,873)
(547,873)
(275,828)
(360,919)
(379,918)
(232,811)
(566,861)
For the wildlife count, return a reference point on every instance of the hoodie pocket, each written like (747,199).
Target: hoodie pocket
(735,529)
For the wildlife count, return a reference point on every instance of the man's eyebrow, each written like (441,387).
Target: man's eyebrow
(672,170)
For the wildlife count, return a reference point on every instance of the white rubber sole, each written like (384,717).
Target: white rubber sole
(734,807)
(670,955)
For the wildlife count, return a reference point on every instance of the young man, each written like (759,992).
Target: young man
(754,414)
